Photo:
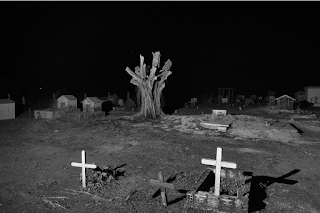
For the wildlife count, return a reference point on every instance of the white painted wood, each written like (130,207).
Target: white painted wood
(312,91)
(83,165)
(218,170)
(225,164)
(218,163)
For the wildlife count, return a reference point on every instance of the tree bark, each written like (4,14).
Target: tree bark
(138,95)
(150,86)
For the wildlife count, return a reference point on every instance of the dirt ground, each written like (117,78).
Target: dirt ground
(36,175)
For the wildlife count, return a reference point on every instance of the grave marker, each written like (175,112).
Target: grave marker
(224,100)
(83,165)
(218,163)
(120,102)
(163,185)
(219,112)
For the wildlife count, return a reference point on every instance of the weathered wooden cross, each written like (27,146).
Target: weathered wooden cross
(163,185)
(84,166)
(218,163)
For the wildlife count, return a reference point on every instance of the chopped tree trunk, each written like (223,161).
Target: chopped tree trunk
(138,95)
(150,85)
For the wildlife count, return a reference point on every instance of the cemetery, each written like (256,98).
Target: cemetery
(223,157)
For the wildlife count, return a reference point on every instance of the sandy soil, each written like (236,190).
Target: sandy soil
(37,175)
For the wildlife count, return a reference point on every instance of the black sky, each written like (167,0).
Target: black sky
(86,46)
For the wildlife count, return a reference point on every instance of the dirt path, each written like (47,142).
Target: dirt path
(37,175)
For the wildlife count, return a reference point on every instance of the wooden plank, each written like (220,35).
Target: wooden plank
(225,164)
(167,185)
(163,189)
(163,185)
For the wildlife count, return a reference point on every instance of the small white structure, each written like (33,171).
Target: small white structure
(92,104)
(313,95)
(67,102)
(315,100)
(285,102)
(7,109)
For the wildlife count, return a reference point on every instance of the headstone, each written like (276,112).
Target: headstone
(130,104)
(218,163)
(83,165)
(163,185)
(216,113)
(120,102)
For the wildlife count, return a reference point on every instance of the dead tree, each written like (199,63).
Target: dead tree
(150,85)
(138,97)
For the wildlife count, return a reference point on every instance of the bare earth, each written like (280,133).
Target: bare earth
(36,175)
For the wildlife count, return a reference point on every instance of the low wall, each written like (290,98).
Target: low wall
(48,114)
(78,116)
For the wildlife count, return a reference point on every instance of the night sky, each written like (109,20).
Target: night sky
(78,47)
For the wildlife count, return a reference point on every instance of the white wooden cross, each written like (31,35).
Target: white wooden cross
(84,166)
(218,163)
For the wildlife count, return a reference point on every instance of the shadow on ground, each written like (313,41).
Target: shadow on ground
(259,185)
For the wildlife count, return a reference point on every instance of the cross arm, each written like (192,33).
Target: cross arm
(225,164)
(166,185)
(91,166)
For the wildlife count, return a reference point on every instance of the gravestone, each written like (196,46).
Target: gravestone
(216,113)
(120,102)
(83,165)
